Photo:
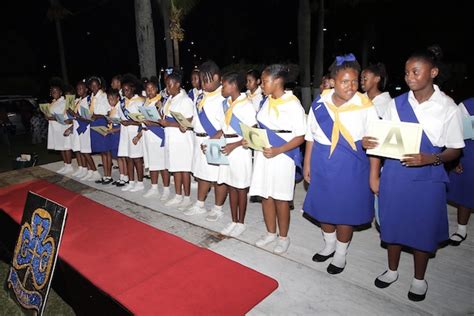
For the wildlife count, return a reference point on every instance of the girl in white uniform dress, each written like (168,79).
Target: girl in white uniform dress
(153,149)
(238,173)
(373,81)
(179,141)
(254,92)
(81,92)
(274,171)
(130,145)
(208,112)
(56,131)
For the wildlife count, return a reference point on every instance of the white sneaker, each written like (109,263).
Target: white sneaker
(282,245)
(239,229)
(185,204)
(228,229)
(266,239)
(174,201)
(68,169)
(128,187)
(87,175)
(194,210)
(151,192)
(139,186)
(60,171)
(165,195)
(95,176)
(77,172)
(82,173)
(214,215)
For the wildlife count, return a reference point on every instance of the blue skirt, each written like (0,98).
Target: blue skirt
(412,212)
(113,143)
(460,185)
(99,143)
(339,192)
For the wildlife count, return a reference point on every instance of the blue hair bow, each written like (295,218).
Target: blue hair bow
(341,59)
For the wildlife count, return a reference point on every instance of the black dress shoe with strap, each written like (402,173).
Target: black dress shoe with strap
(321,258)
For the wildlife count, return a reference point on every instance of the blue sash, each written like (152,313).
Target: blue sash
(82,125)
(234,121)
(424,173)
(191,94)
(206,124)
(170,119)
(294,154)
(262,102)
(469,105)
(124,109)
(158,131)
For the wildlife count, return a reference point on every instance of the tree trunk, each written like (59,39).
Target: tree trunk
(304,49)
(165,6)
(319,54)
(176,52)
(59,35)
(145,38)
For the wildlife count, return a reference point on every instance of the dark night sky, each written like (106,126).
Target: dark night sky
(100,37)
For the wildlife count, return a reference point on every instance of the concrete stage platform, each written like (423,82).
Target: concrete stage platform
(305,288)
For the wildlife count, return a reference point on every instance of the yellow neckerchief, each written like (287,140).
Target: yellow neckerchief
(91,106)
(152,100)
(134,98)
(251,95)
(230,109)
(112,112)
(338,127)
(273,104)
(78,105)
(208,95)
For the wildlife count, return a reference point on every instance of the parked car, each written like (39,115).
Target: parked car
(19,110)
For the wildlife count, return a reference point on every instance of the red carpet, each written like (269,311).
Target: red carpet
(148,271)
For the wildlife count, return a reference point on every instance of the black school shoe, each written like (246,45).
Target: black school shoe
(320,258)
(456,243)
(381,284)
(107,181)
(121,183)
(332,269)
(417,297)
(100,181)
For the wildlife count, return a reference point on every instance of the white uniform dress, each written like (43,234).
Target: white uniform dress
(56,138)
(85,138)
(238,173)
(153,153)
(133,151)
(275,177)
(179,146)
(382,103)
(215,113)
(255,98)
(75,139)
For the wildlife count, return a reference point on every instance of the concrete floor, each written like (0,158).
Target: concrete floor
(305,288)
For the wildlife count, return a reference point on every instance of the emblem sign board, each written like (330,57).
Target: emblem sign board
(36,252)
(395,139)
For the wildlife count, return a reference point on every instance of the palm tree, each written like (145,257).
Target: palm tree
(178,10)
(56,13)
(165,8)
(145,38)
(304,49)
(319,50)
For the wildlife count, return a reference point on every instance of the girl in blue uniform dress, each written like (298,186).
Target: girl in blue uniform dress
(461,180)
(412,197)
(336,166)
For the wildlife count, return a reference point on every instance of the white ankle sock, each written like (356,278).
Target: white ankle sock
(125,178)
(339,259)
(166,190)
(200,203)
(330,243)
(418,286)
(121,177)
(186,197)
(217,207)
(389,276)
(154,186)
(462,230)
